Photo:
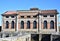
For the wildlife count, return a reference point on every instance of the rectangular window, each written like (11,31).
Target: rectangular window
(7,16)
(12,16)
(51,15)
(22,16)
(44,15)
(28,16)
(35,16)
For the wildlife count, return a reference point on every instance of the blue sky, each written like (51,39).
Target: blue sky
(6,5)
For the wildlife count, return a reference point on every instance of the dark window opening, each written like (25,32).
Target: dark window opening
(28,24)
(35,16)
(46,37)
(52,25)
(0,28)
(12,24)
(56,39)
(7,16)
(34,24)
(12,16)
(45,24)
(28,16)
(22,16)
(7,24)
(22,24)
(34,37)
(7,35)
(45,15)
(51,15)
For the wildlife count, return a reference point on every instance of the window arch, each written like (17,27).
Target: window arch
(28,24)
(12,24)
(35,24)
(7,24)
(22,24)
(51,24)
(45,24)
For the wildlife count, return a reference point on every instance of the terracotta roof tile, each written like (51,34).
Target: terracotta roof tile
(42,12)
(48,11)
(10,12)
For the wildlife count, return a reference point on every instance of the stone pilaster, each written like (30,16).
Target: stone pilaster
(57,25)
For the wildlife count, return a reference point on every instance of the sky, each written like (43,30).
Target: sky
(13,5)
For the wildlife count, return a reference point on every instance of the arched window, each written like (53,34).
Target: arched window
(7,24)
(22,24)
(28,24)
(12,24)
(45,24)
(34,24)
(52,25)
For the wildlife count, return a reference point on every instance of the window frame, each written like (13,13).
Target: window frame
(34,16)
(12,16)
(7,16)
(51,24)
(51,15)
(34,24)
(28,24)
(44,15)
(12,24)
(28,16)
(45,24)
(22,16)
(7,24)
(22,25)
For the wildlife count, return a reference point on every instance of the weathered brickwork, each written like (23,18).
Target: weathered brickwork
(30,15)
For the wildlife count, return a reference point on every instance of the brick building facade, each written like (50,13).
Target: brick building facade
(30,21)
